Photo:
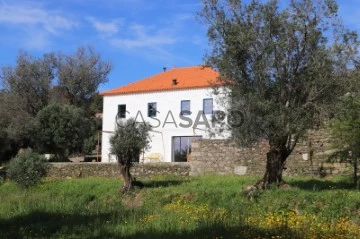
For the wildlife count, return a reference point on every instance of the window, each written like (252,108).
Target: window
(185,107)
(152,109)
(181,147)
(121,111)
(208,106)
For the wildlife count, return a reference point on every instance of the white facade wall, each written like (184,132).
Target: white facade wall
(168,105)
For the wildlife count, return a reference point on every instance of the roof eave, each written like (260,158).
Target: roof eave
(159,90)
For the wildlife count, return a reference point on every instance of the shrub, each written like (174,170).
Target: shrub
(90,144)
(27,168)
(61,129)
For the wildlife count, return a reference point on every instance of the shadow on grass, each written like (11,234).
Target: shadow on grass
(161,183)
(219,231)
(321,184)
(58,225)
(45,225)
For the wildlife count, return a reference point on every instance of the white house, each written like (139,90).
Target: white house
(178,103)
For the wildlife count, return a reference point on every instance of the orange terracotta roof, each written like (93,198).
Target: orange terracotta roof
(174,79)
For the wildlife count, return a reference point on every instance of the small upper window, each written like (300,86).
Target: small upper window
(208,106)
(185,107)
(121,111)
(152,109)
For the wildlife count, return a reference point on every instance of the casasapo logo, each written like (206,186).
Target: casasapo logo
(186,119)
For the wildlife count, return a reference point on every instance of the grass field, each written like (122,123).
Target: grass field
(172,207)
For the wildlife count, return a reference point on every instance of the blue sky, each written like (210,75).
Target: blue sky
(139,37)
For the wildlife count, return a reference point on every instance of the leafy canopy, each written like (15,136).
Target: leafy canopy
(61,129)
(35,82)
(129,140)
(28,84)
(285,64)
(81,74)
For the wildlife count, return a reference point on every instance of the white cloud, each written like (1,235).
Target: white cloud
(184,17)
(141,38)
(160,42)
(108,28)
(34,23)
(26,14)
(37,40)
(149,43)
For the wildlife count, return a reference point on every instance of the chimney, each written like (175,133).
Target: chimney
(174,82)
(164,68)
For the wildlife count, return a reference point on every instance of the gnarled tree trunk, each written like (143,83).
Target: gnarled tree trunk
(275,162)
(125,166)
(130,182)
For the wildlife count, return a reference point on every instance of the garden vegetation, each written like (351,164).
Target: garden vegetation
(27,168)
(172,207)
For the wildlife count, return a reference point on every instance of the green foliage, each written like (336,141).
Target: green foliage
(6,139)
(4,143)
(29,82)
(345,131)
(29,86)
(283,64)
(81,74)
(14,123)
(285,73)
(173,207)
(129,140)
(96,104)
(345,127)
(61,129)
(90,143)
(27,168)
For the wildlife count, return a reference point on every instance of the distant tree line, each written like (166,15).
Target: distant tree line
(48,103)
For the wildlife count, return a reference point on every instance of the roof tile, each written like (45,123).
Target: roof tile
(186,78)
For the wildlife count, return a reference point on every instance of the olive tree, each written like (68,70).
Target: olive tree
(81,74)
(129,140)
(35,82)
(283,65)
(61,129)
(28,84)
(25,90)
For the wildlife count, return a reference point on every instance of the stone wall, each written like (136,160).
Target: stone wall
(221,157)
(311,154)
(224,157)
(77,170)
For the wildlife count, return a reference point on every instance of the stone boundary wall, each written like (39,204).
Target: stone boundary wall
(224,157)
(78,170)
(221,157)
